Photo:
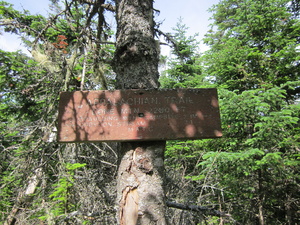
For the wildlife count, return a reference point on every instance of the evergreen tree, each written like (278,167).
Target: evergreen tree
(252,172)
(253,43)
(185,63)
(254,56)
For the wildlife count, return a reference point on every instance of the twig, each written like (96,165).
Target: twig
(104,162)
(168,37)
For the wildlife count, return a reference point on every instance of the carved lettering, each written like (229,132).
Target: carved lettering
(178,100)
(123,101)
(107,116)
(111,118)
(141,123)
(125,111)
(95,124)
(103,111)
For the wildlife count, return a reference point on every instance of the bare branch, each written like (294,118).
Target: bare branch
(197,208)
(98,160)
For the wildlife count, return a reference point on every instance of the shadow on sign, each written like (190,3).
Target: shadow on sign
(128,115)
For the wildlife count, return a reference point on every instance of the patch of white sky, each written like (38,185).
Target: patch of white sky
(194,14)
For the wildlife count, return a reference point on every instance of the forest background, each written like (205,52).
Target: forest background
(250,176)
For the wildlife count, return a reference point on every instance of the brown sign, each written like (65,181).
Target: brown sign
(124,115)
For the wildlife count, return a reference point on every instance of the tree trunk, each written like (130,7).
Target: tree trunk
(137,53)
(140,193)
(140,184)
(260,199)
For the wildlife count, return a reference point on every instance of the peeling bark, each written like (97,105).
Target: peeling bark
(140,184)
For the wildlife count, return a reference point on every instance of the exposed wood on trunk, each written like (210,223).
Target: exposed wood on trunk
(140,187)
(129,206)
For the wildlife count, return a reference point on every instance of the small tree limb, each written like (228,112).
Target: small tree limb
(168,37)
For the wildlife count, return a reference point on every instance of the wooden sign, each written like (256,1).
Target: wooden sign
(135,115)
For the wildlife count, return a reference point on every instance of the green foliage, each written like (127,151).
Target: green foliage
(260,144)
(20,22)
(63,197)
(253,43)
(185,67)
(29,89)
(257,154)
(9,183)
(254,61)
(18,75)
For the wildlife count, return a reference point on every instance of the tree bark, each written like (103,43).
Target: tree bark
(140,184)
(140,193)
(260,199)
(137,53)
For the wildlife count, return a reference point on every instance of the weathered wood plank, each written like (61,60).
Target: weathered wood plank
(129,115)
